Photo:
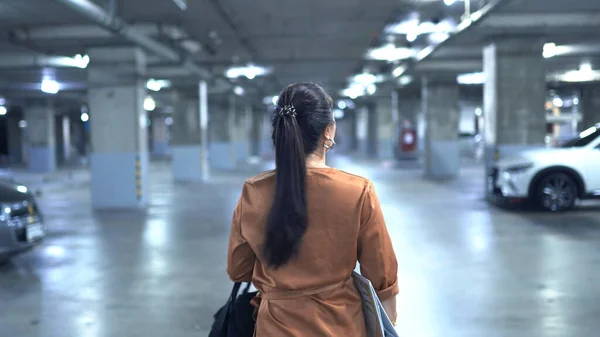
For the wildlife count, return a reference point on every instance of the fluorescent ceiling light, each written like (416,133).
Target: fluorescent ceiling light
(437,38)
(338,114)
(157,85)
(81,61)
(49,86)
(413,27)
(405,80)
(390,53)
(22,124)
(558,102)
(476,15)
(346,104)
(238,90)
(268,100)
(365,79)
(398,71)
(182,4)
(85,117)
(3,110)
(424,53)
(585,67)
(371,89)
(464,24)
(471,78)
(153,85)
(575,101)
(584,74)
(549,50)
(149,104)
(249,71)
(354,90)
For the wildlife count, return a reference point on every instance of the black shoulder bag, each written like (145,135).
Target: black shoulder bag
(236,317)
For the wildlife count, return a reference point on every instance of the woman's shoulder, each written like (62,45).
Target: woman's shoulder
(347,178)
(261,177)
(350,178)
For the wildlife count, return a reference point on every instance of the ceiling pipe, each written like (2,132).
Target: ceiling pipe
(26,61)
(119,27)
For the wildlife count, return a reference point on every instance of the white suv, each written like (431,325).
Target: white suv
(553,178)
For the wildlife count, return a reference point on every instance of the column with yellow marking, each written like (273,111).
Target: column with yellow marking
(118,128)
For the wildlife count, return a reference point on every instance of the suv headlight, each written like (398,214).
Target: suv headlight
(518,168)
(5,211)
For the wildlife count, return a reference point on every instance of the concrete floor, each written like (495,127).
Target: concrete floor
(466,269)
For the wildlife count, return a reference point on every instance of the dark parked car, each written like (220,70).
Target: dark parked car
(21,223)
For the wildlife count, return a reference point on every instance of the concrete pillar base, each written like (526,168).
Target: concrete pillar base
(42,159)
(385,149)
(443,159)
(187,163)
(160,149)
(221,156)
(119,180)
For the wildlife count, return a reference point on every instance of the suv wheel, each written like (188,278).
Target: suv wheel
(556,192)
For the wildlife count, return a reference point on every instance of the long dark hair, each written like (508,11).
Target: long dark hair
(302,113)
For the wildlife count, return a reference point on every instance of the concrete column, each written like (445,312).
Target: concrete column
(267,149)
(590,107)
(442,148)
(386,121)
(66,138)
(344,134)
(160,136)
(186,140)
(256,132)
(118,126)
(221,145)
(15,141)
(514,97)
(243,133)
(362,129)
(41,138)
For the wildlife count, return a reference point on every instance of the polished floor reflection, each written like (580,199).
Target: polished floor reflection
(467,269)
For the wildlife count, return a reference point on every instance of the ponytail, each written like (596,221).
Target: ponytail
(288,218)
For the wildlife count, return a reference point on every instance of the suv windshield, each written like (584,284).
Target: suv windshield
(584,138)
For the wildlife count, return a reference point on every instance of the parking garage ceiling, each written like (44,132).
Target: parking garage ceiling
(323,41)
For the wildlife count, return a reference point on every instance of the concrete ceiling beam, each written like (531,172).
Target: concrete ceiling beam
(517,21)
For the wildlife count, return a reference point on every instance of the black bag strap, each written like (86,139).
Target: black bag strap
(234,294)
(235,291)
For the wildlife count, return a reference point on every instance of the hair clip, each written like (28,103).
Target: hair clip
(288,110)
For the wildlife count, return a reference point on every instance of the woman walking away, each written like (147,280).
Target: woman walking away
(298,231)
